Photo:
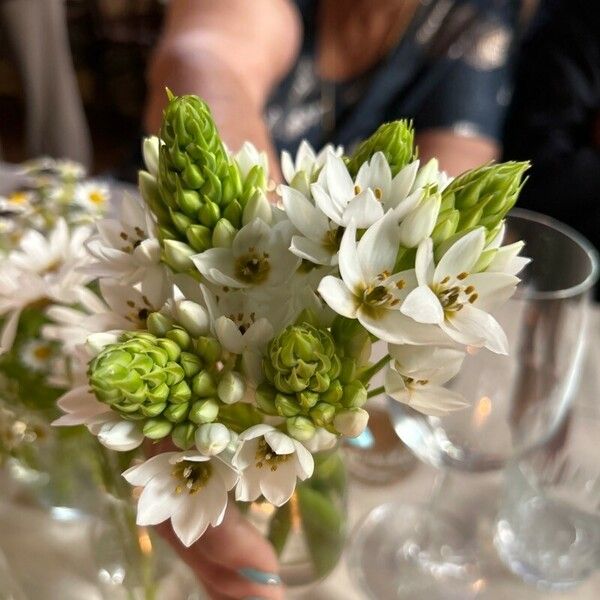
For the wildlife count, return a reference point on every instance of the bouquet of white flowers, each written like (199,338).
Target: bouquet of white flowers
(239,326)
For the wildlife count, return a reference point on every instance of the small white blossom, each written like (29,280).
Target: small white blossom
(270,462)
(187,487)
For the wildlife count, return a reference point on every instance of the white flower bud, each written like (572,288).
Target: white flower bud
(419,223)
(427,175)
(212,438)
(351,422)
(248,157)
(96,341)
(258,207)
(322,440)
(178,255)
(231,388)
(150,149)
(192,317)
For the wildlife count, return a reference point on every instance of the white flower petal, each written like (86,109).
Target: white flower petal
(349,263)
(339,182)
(158,500)
(338,296)
(312,251)
(279,442)
(479,324)
(143,473)
(309,221)
(424,264)
(326,204)
(229,335)
(436,401)
(363,209)
(461,256)
(378,247)
(278,486)
(423,306)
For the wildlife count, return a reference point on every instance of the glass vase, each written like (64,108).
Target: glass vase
(309,532)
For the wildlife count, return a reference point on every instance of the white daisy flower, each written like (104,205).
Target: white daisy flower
(187,487)
(18,201)
(92,196)
(416,374)
(37,355)
(270,462)
(69,169)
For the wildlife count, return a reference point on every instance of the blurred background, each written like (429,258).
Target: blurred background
(524,75)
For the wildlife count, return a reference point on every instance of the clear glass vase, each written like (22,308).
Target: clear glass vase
(309,532)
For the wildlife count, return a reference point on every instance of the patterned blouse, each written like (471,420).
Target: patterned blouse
(451,69)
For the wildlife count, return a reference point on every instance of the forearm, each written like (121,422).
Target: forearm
(456,153)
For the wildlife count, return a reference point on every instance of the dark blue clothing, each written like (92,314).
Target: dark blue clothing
(450,69)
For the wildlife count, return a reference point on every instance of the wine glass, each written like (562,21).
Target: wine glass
(516,404)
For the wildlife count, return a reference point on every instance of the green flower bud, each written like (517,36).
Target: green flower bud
(203,385)
(209,214)
(322,414)
(183,435)
(157,429)
(196,178)
(482,196)
(286,406)
(395,140)
(265,398)
(223,234)
(231,388)
(199,237)
(150,379)
(148,187)
(233,213)
(158,324)
(177,255)
(176,413)
(208,348)
(355,395)
(300,428)
(204,411)
(190,363)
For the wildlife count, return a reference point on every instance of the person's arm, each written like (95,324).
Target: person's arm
(456,153)
(231,53)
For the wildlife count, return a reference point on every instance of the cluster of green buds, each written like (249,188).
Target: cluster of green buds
(307,383)
(396,141)
(479,197)
(198,193)
(165,378)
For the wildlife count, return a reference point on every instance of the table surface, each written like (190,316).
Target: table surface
(52,559)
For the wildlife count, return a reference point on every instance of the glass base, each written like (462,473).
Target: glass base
(407,551)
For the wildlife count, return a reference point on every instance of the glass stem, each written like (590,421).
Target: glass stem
(137,546)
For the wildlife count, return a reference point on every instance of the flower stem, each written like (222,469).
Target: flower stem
(367,375)
(376,391)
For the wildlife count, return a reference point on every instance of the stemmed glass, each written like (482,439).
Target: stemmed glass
(517,402)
